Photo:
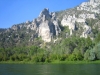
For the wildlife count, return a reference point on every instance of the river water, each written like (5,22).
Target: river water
(50,69)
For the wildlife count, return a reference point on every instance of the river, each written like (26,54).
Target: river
(50,69)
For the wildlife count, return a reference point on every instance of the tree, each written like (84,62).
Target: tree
(97,50)
(97,39)
(89,55)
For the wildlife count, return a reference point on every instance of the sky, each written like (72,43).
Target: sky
(19,11)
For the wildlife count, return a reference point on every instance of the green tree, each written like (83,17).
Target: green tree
(97,39)
(89,55)
(97,50)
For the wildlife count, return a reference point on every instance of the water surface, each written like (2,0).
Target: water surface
(50,69)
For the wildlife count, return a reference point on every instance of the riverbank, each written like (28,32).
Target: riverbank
(53,62)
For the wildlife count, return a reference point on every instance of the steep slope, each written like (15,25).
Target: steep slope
(71,35)
(81,21)
(45,28)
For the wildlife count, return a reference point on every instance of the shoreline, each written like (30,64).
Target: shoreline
(53,62)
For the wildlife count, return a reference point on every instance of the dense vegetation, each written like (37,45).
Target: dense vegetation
(22,44)
(69,49)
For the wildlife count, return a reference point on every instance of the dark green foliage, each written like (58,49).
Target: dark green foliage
(35,59)
(14,57)
(18,35)
(95,31)
(71,49)
(75,56)
(98,16)
(91,22)
(89,55)
(1,56)
(20,43)
(97,39)
(93,54)
(97,51)
(64,30)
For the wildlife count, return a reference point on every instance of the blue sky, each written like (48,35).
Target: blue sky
(18,11)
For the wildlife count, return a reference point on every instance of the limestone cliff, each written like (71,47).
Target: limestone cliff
(77,17)
(46,25)
(81,21)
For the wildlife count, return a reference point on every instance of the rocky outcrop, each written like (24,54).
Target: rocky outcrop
(15,27)
(46,25)
(70,21)
(45,31)
(87,30)
(91,6)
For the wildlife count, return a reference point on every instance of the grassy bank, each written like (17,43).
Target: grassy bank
(76,62)
(53,62)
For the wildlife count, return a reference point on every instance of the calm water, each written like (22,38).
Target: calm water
(55,69)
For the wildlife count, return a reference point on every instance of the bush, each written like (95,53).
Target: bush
(71,57)
(41,58)
(1,56)
(97,39)
(14,57)
(89,55)
(53,57)
(62,58)
(97,50)
(21,57)
(27,59)
(47,60)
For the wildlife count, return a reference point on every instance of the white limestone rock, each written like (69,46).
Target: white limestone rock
(69,21)
(45,14)
(57,28)
(33,25)
(92,6)
(53,14)
(71,32)
(87,30)
(27,22)
(15,27)
(82,17)
(80,20)
(44,31)
(47,25)
(85,16)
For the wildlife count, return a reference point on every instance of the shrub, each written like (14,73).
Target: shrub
(89,55)
(97,50)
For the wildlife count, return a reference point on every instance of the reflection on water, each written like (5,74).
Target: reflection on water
(50,69)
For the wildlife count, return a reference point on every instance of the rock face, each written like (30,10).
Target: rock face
(70,21)
(14,27)
(92,6)
(87,30)
(46,25)
(44,31)
(79,15)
